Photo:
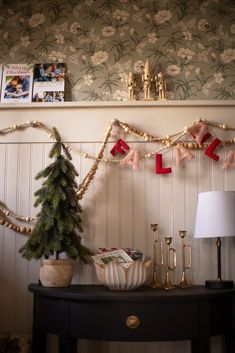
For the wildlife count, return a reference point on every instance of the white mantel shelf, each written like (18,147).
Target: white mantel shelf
(124,104)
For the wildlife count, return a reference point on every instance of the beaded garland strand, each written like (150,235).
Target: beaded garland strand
(167,141)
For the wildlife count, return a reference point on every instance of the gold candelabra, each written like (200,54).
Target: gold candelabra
(167,284)
(185,249)
(157,257)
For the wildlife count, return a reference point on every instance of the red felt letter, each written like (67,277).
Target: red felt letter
(119,147)
(159,169)
(209,150)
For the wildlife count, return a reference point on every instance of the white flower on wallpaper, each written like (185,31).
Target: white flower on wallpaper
(152,37)
(218,77)
(25,41)
(120,15)
(139,66)
(192,42)
(75,27)
(36,20)
(163,16)
(120,95)
(87,80)
(203,25)
(57,56)
(59,38)
(185,53)
(228,55)
(173,70)
(99,57)
(108,31)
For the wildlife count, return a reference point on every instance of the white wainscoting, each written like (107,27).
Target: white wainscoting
(119,205)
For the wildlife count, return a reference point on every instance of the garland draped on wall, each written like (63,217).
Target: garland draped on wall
(201,137)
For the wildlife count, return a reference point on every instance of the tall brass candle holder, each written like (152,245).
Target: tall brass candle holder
(157,257)
(167,284)
(185,248)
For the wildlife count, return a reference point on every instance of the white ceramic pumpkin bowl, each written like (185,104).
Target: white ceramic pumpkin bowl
(117,277)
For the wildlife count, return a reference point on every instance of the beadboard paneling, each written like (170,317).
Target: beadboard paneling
(118,207)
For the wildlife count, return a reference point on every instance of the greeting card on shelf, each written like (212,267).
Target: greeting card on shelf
(49,82)
(17,83)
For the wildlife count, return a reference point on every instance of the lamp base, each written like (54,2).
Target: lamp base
(219,284)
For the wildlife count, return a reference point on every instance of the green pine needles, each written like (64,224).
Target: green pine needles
(58,223)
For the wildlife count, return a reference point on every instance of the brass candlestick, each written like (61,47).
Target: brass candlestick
(184,283)
(131,85)
(156,263)
(167,284)
(147,79)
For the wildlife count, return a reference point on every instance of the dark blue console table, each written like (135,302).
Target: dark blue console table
(94,312)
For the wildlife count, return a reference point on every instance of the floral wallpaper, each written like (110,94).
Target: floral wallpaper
(192,42)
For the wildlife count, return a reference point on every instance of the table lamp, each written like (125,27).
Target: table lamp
(215,218)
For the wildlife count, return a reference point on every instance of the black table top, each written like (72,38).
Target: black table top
(93,292)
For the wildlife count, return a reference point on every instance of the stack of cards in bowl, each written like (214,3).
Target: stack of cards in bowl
(121,269)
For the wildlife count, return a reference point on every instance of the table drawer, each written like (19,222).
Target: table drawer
(131,321)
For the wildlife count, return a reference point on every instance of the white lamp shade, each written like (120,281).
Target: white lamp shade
(215,215)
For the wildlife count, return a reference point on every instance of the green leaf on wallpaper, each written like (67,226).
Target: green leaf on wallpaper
(56,10)
(91,95)
(155,53)
(172,38)
(120,48)
(219,11)
(185,88)
(108,5)
(109,79)
(183,8)
(92,15)
(223,93)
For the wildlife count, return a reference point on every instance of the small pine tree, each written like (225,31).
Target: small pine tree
(58,222)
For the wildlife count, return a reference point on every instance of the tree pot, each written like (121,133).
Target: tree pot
(56,273)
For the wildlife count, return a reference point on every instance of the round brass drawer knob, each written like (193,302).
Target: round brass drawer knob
(133,321)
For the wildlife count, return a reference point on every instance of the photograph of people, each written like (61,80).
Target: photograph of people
(49,72)
(17,87)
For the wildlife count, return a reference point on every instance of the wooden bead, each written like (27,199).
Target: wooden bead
(2,221)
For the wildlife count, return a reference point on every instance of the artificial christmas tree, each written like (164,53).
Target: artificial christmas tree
(58,222)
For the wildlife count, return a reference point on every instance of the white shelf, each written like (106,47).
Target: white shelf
(125,104)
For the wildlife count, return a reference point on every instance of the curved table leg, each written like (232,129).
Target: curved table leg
(200,346)
(39,341)
(67,345)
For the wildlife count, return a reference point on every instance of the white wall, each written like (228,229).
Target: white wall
(120,204)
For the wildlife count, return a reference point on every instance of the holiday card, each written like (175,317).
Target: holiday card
(49,82)
(118,255)
(17,83)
